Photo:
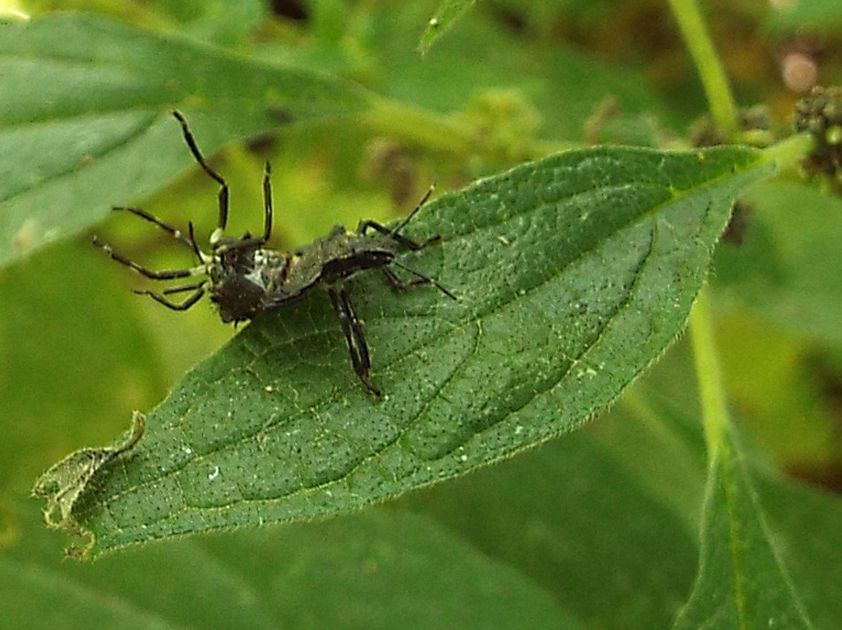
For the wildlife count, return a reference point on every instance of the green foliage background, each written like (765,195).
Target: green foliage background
(600,528)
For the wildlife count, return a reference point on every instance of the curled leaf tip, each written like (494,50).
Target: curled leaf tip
(63,483)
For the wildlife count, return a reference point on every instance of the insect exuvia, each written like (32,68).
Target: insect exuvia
(245,278)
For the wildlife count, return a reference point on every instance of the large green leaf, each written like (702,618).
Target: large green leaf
(85,116)
(573,274)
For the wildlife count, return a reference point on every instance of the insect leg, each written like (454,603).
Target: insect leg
(148,273)
(267,202)
(399,284)
(173,231)
(420,278)
(409,217)
(394,233)
(354,337)
(194,149)
(183,306)
(368,224)
(192,237)
(181,289)
(357,329)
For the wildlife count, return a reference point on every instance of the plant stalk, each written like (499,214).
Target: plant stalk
(708,375)
(717,89)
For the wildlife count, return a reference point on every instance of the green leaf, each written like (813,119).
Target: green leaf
(85,117)
(573,274)
(743,580)
(448,12)
(377,570)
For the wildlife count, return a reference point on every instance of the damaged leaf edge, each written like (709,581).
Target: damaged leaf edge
(64,482)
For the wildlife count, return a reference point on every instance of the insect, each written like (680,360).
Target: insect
(245,278)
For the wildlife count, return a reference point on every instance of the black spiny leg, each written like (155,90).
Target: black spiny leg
(420,278)
(402,285)
(175,306)
(394,233)
(368,224)
(267,202)
(143,214)
(354,336)
(194,149)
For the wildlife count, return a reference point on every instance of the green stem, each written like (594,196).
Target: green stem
(715,82)
(711,392)
(415,124)
(439,132)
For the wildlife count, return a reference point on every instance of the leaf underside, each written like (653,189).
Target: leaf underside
(573,274)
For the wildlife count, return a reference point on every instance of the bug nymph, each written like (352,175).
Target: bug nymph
(245,278)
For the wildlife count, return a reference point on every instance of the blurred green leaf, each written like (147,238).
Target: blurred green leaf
(573,273)
(572,517)
(218,21)
(377,570)
(776,393)
(807,535)
(803,15)
(446,15)
(565,84)
(788,266)
(84,118)
(743,581)
(76,359)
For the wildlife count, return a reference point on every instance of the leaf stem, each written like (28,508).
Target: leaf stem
(711,391)
(788,153)
(717,90)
